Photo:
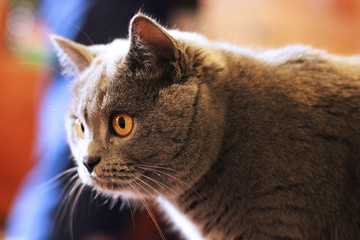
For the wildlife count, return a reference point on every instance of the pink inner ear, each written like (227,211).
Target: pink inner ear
(145,32)
(149,33)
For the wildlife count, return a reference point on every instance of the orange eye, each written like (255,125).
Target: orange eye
(80,129)
(122,124)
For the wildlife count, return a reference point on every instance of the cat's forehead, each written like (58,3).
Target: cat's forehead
(106,85)
(110,56)
(104,67)
(92,88)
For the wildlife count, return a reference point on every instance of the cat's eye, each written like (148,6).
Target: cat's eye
(122,124)
(80,129)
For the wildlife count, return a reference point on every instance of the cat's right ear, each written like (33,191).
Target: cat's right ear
(151,47)
(73,57)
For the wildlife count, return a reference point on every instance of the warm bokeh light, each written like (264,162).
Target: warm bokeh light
(333,25)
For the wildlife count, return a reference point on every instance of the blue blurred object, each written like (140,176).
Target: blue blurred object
(31,217)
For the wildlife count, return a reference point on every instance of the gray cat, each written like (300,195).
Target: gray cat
(243,145)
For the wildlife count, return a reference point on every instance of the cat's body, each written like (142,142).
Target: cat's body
(289,162)
(245,145)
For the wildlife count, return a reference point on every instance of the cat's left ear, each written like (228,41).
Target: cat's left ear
(73,57)
(152,48)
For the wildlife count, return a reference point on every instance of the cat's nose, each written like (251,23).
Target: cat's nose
(91,162)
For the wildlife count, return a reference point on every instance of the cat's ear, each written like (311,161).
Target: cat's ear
(151,46)
(73,57)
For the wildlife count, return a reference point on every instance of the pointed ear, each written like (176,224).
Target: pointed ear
(73,57)
(151,46)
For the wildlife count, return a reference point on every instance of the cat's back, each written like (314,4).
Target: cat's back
(294,119)
(318,82)
(305,94)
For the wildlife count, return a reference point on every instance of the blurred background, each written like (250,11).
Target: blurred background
(27,66)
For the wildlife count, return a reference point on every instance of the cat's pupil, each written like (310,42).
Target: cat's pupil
(82,127)
(121,122)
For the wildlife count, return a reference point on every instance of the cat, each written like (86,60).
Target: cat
(243,144)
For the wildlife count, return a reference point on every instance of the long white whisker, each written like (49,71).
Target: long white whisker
(176,178)
(57,177)
(148,209)
(59,217)
(162,185)
(150,187)
(156,167)
(71,182)
(155,181)
(78,183)
(131,212)
(69,197)
(181,181)
(80,188)
(82,31)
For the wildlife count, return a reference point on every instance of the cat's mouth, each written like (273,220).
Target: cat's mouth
(113,179)
(134,185)
(108,181)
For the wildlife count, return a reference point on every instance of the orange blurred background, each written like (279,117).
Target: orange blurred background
(18,88)
(333,25)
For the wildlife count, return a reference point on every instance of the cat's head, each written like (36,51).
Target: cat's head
(141,120)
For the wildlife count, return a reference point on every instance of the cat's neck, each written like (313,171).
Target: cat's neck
(221,80)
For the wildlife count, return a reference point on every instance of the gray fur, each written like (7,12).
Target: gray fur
(246,145)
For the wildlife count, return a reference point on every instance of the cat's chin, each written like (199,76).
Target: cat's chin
(111,189)
(115,193)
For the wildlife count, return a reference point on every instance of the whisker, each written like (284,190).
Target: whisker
(72,215)
(131,212)
(87,36)
(57,177)
(78,183)
(148,209)
(176,178)
(149,187)
(70,181)
(59,217)
(155,167)
(169,175)
(181,181)
(155,181)
(162,185)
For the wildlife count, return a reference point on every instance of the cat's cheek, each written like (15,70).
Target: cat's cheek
(84,175)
